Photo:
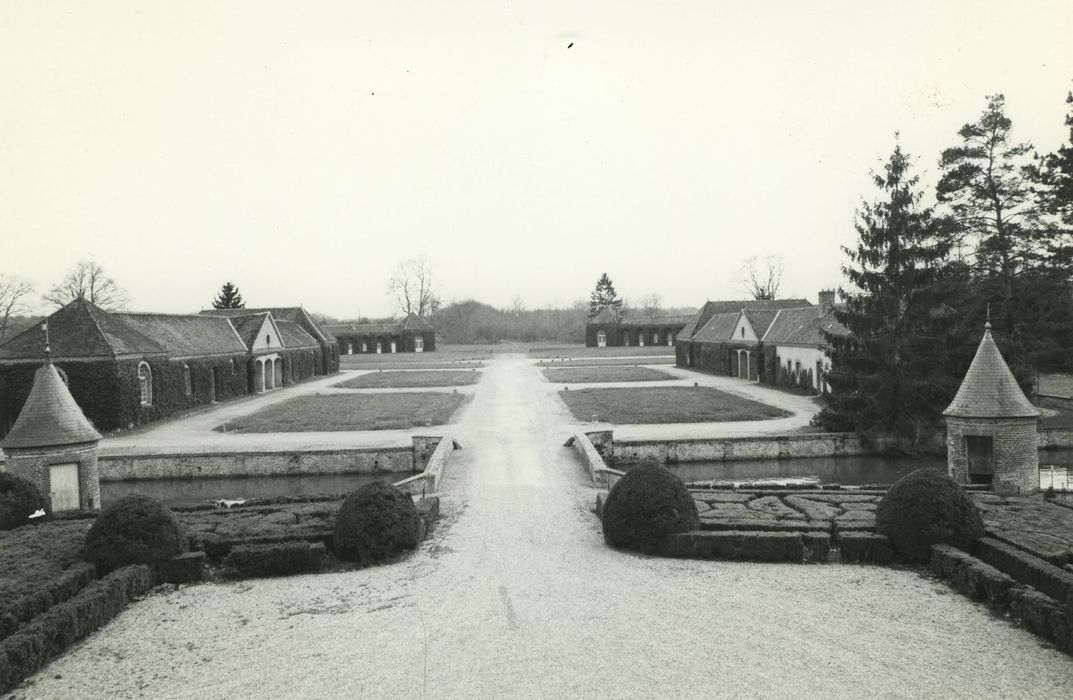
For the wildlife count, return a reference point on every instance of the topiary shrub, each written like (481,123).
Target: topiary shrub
(927,507)
(375,522)
(645,506)
(19,499)
(135,529)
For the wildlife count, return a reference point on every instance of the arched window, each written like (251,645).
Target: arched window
(188,384)
(145,383)
(232,365)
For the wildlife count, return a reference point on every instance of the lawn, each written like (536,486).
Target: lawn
(410,379)
(607,361)
(342,412)
(583,351)
(683,404)
(384,365)
(1056,384)
(588,375)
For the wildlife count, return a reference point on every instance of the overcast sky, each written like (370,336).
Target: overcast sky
(301,149)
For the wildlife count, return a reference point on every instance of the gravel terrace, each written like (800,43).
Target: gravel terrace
(516,595)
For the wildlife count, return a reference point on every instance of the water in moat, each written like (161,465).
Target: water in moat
(1056,468)
(190,491)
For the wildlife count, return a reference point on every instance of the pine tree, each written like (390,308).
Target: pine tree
(228,298)
(1056,197)
(891,374)
(604,297)
(986,186)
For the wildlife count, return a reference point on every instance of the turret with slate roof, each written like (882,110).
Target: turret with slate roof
(992,434)
(53,444)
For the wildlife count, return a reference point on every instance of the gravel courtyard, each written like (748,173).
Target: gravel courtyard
(516,595)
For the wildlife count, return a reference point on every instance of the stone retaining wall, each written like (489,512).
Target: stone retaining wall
(207,465)
(759,447)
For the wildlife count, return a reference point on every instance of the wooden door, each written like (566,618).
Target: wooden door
(63,487)
(981,464)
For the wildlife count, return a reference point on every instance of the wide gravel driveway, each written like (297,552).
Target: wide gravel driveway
(516,595)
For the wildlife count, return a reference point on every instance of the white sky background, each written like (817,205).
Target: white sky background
(302,149)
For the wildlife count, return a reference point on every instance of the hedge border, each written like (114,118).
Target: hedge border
(280,559)
(1041,575)
(51,633)
(22,609)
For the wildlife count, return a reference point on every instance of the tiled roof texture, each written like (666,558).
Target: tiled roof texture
(183,335)
(760,320)
(296,314)
(656,320)
(721,307)
(411,323)
(248,326)
(802,327)
(73,332)
(294,336)
(989,389)
(718,329)
(50,417)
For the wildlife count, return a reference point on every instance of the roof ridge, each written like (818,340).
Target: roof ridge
(89,307)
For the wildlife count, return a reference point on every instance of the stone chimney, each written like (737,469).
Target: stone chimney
(53,445)
(827,301)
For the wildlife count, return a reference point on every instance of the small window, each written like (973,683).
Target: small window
(232,365)
(188,384)
(268,338)
(364,346)
(145,383)
(419,343)
(743,331)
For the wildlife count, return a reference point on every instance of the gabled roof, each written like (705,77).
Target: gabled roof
(760,320)
(718,329)
(656,320)
(50,417)
(803,327)
(294,336)
(248,327)
(180,334)
(712,308)
(79,329)
(989,389)
(410,323)
(295,314)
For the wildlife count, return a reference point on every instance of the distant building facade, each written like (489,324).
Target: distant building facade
(779,342)
(411,334)
(605,331)
(126,369)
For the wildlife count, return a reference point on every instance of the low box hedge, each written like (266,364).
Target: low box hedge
(1041,575)
(816,526)
(972,577)
(52,632)
(280,559)
(184,568)
(735,545)
(21,609)
(865,548)
(1035,610)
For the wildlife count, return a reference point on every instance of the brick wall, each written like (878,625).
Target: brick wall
(33,465)
(1015,446)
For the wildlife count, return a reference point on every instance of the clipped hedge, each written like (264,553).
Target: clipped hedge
(972,577)
(738,546)
(52,632)
(645,506)
(15,612)
(927,507)
(135,529)
(862,547)
(1044,576)
(19,499)
(281,559)
(374,523)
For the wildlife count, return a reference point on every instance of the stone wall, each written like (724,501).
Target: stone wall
(197,465)
(33,465)
(1015,451)
(760,447)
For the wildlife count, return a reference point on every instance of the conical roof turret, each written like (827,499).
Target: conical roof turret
(50,417)
(989,389)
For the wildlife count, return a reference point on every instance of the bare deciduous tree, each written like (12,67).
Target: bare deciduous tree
(14,292)
(761,276)
(88,280)
(651,304)
(411,285)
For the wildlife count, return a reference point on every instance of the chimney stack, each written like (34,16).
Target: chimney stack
(827,301)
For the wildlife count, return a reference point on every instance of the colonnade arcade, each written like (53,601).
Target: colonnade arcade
(267,372)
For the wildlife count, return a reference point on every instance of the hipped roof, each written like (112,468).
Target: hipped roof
(989,389)
(712,308)
(50,417)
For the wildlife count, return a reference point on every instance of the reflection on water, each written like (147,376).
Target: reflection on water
(1055,467)
(188,491)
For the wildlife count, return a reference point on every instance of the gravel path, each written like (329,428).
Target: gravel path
(516,595)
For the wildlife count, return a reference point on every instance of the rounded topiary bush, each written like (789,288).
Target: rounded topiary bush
(927,507)
(19,499)
(135,529)
(375,522)
(645,506)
